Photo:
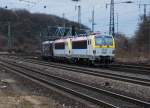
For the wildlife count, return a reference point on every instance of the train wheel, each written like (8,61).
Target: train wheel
(91,63)
(74,61)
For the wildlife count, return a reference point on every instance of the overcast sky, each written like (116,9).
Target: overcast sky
(128,13)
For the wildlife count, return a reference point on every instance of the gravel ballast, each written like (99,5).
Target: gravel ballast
(18,92)
(139,91)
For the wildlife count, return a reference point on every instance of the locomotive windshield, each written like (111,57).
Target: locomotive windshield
(104,40)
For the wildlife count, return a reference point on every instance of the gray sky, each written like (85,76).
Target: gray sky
(128,13)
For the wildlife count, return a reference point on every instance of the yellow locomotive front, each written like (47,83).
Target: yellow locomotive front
(103,48)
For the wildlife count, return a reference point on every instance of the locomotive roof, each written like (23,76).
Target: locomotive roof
(79,38)
(47,42)
(102,35)
(60,40)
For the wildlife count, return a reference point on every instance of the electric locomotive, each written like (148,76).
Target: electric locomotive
(95,48)
(102,48)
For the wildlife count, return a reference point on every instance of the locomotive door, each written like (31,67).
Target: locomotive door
(51,49)
(66,49)
(89,47)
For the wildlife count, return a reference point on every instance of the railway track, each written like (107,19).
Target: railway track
(99,73)
(104,98)
(130,68)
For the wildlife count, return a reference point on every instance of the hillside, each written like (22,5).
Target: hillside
(25,28)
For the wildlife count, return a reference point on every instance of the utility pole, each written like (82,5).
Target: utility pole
(79,15)
(64,24)
(112,19)
(117,23)
(41,40)
(93,20)
(145,10)
(148,28)
(9,37)
(112,16)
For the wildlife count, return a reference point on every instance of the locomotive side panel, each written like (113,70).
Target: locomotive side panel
(59,49)
(79,49)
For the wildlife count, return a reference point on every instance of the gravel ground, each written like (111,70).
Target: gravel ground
(18,92)
(134,60)
(141,92)
(118,86)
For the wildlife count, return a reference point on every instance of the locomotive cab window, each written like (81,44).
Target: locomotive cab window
(60,45)
(106,40)
(79,44)
(99,41)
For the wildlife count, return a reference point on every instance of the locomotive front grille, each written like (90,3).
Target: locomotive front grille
(104,51)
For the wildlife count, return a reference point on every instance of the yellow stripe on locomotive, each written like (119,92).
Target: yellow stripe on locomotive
(104,44)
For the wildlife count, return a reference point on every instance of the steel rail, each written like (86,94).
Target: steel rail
(130,68)
(48,83)
(127,68)
(145,104)
(135,80)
